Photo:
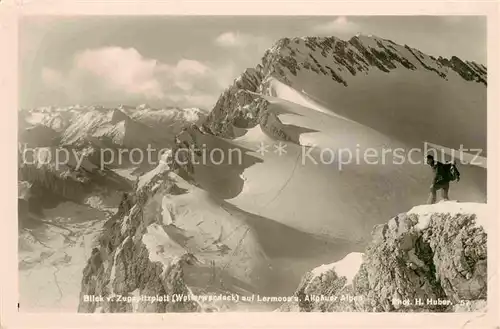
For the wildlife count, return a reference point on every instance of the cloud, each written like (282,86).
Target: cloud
(120,69)
(341,25)
(124,75)
(232,39)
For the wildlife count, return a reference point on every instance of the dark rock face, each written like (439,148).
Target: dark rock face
(419,58)
(67,181)
(470,71)
(237,106)
(357,56)
(460,257)
(46,179)
(134,272)
(438,268)
(121,268)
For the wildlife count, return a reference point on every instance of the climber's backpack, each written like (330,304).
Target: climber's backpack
(452,171)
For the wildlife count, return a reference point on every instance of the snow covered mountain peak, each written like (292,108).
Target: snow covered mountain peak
(343,59)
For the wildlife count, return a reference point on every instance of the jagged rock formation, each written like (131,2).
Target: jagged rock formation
(122,264)
(68,174)
(76,125)
(357,55)
(69,150)
(293,60)
(109,128)
(470,71)
(237,107)
(145,250)
(169,121)
(431,259)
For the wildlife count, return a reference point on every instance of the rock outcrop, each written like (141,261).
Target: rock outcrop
(431,259)
(155,255)
(121,267)
(238,105)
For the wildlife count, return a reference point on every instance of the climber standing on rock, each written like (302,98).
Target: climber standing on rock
(444,173)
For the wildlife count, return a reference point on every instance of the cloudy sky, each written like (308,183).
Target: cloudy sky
(188,61)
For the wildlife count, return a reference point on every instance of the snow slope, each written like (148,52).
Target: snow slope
(233,251)
(356,119)
(403,93)
(282,91)
(329,191)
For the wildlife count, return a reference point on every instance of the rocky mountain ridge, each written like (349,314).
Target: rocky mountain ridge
(431,259)
(145,250)
(289,59)
(359,55)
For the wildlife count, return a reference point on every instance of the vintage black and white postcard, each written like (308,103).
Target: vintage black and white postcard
(192,161)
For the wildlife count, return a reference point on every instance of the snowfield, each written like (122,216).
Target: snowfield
(282,91)
(388,186)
